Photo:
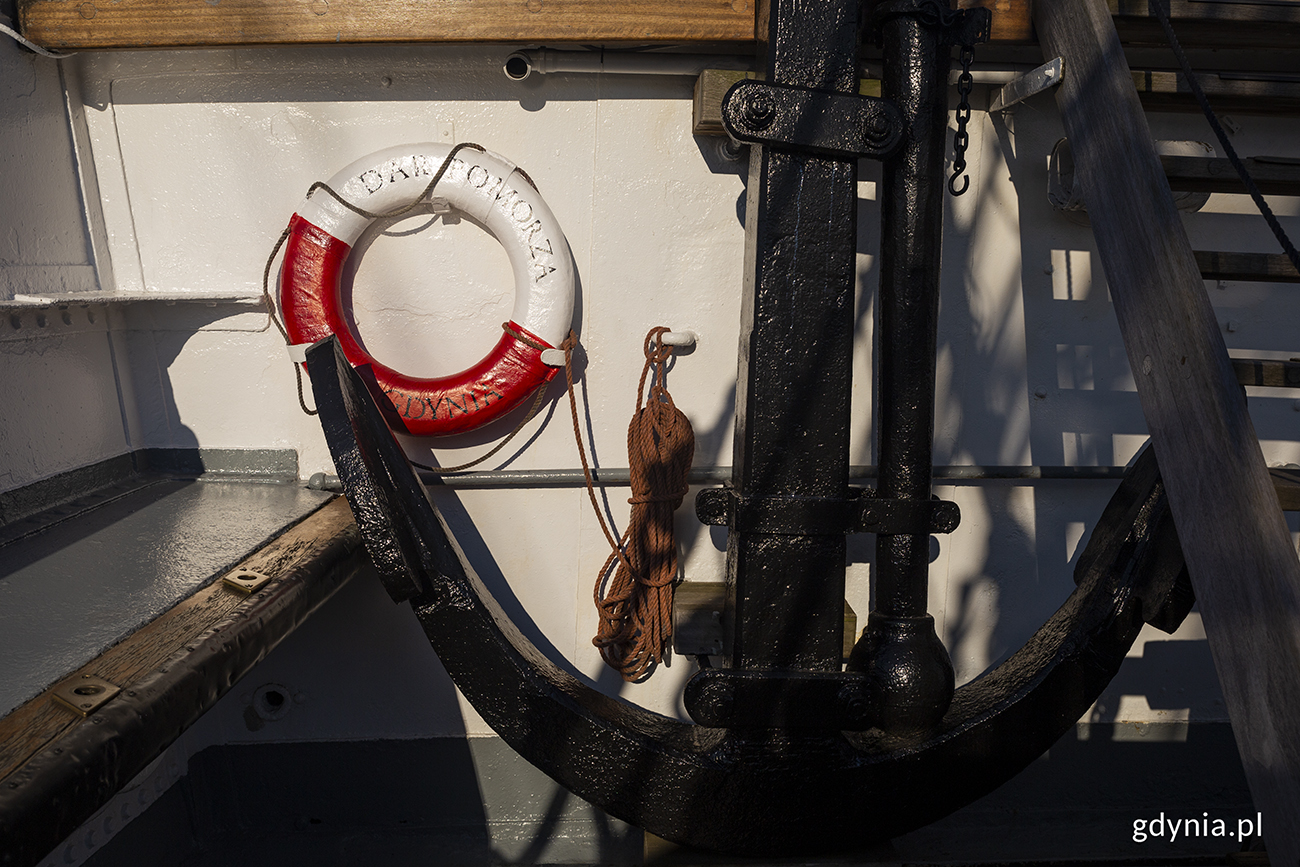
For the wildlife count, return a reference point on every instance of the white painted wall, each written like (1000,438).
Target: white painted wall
(57,368)
(200,157)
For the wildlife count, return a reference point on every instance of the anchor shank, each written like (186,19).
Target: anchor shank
(792,402)
(911,202)
(909,669)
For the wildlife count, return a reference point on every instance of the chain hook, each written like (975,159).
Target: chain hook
(961,139)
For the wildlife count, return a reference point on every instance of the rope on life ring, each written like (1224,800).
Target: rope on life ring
(489,189)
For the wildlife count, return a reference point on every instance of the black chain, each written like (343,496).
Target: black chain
(961,139)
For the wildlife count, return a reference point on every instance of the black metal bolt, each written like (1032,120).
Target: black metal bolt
(760,111)
(857,709)
(877,129)
(947,517)
(722,698)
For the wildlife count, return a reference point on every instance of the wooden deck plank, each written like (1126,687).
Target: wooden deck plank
(86,24)
(1239,552)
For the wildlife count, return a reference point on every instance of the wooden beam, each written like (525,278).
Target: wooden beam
(1260,267)
(78,24)
(1239,552)
(1277,176)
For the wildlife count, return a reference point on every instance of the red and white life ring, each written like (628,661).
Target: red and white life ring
(487,188)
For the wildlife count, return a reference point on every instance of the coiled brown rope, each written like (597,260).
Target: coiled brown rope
(634,590)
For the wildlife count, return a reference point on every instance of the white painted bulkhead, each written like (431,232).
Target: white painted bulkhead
(138,219)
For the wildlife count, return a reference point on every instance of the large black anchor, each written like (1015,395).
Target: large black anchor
(789,751)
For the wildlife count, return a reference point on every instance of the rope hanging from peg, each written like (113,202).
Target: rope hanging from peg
(634,589)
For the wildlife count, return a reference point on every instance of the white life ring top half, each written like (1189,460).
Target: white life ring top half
(485,187)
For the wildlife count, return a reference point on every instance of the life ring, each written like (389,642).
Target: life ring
(489,189)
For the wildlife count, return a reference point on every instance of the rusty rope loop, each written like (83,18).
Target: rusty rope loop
(634,589)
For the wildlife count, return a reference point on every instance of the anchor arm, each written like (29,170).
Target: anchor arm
(767,792)
(760,781)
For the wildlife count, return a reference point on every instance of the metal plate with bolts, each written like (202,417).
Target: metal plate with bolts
(85,694)
(246,580)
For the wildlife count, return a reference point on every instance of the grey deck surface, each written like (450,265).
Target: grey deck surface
(78,586)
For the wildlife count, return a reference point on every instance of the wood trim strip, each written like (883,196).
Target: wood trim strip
(89,24)
(57,768)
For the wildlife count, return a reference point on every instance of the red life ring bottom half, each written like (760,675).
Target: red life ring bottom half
(489,189)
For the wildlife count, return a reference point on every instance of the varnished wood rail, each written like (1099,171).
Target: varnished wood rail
(81,24)
(1238,549)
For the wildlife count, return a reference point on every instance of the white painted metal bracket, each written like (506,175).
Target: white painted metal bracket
(1025,86)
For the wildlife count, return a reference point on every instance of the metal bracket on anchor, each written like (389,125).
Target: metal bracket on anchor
(782,516)
(862,512)
(837,125)
(885,517)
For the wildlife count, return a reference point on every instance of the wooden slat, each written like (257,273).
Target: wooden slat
(1261,267)
(1201,24)
(31,727)
(1267,372)
(1206,11)
(1238,549)
(78,24)
(1275,176)
(1258,94)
